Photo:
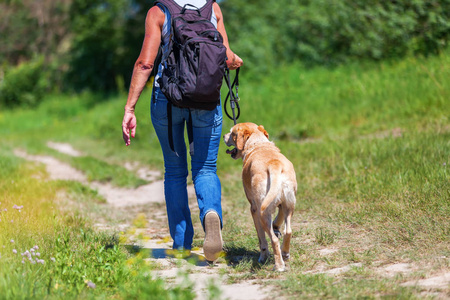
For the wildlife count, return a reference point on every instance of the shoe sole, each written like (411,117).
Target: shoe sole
(212,246)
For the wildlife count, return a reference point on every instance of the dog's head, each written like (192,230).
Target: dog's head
(240,134)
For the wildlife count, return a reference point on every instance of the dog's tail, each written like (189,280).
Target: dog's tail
(274,171)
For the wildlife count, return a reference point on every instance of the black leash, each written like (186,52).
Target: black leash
(234,98)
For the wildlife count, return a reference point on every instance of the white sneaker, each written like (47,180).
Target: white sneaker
(212,246)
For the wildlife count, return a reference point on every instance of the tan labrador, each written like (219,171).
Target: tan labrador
(269,182)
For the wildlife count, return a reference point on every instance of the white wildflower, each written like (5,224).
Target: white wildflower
(14,251)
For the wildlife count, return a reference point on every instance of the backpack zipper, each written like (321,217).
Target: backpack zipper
(216,34)
(191,22)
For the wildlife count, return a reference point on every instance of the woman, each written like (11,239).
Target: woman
(207,127)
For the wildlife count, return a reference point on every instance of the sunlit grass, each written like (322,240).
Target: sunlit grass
(370,144)
(20,185)
(48,252)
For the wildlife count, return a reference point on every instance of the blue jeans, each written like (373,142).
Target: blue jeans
(207,128)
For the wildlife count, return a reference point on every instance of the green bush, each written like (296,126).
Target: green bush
(328,32)
(24,85)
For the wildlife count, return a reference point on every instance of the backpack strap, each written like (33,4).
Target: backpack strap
(190,130)
(170,5)
(169,128)
(206,10)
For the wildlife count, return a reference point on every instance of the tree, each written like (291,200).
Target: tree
(32,27)
(329,32)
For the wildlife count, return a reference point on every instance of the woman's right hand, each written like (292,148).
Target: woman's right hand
(128,126)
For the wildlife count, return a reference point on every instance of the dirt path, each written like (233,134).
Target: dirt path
(131,201)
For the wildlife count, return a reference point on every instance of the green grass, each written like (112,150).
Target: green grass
(104,172)
(357,99)
(371,148)
(67,259)
(370,144)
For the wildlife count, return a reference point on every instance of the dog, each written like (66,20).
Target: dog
(269,182)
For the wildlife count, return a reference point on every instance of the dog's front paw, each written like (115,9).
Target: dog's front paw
(279,268)
(263,256)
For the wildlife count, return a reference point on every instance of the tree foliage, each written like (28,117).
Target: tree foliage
(29,28)
(107,39)
(92,44)
(328,32)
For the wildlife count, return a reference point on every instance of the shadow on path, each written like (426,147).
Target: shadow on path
(164,254)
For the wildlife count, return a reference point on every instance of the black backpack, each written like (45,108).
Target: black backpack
(195,63)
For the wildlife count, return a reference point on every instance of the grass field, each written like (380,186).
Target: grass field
(371,148)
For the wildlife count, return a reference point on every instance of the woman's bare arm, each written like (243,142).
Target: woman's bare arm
(233,61)
(144,64)
(142,69)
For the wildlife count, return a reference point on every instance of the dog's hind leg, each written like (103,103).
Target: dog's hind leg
(263,245)
(289,210)
(278,222)
(266,221)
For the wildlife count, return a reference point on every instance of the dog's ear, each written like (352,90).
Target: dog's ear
(242,137)
(261,128)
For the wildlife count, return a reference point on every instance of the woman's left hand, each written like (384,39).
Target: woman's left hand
(237,62)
